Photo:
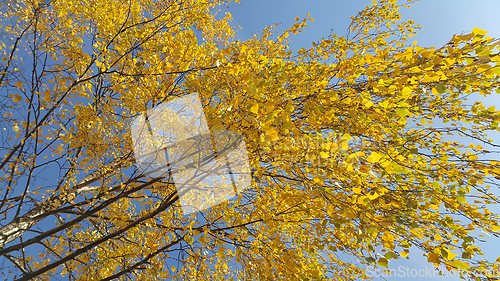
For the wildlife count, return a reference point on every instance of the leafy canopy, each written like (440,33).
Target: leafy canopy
(358,145)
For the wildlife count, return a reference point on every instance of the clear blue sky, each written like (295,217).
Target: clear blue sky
(440,20)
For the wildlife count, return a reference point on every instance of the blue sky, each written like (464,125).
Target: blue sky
(441,19)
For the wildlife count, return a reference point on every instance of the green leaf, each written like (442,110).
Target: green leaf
(390,255)
(440,88)
(466,255)
(399,169)
(370,259)
(468,239)
(402,112)
(383,262)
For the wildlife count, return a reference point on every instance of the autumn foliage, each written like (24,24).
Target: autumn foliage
(361,144)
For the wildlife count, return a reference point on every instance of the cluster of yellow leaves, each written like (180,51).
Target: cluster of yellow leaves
(340,140)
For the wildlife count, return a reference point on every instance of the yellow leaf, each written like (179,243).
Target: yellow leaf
(16,128)
(374,196)
(172,268)
(428,79)
(189,239)
(416,233)
(406,91)
(432,257)
(402,112)
(17,98)
(245,77)
(385,223)
(478,31)
(364,169)
(449,255)
(437,237)
(271,135)
(396,204)
(344,145)
(495,228)
(496,70)
(346,137)
(318,179)
(255,108)
(288,124)
(368,103)
(461,265)
(350,215)
(374,157)
(222,249)
(398,168)
(19,84)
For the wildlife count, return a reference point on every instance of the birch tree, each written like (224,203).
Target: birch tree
(348,143)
